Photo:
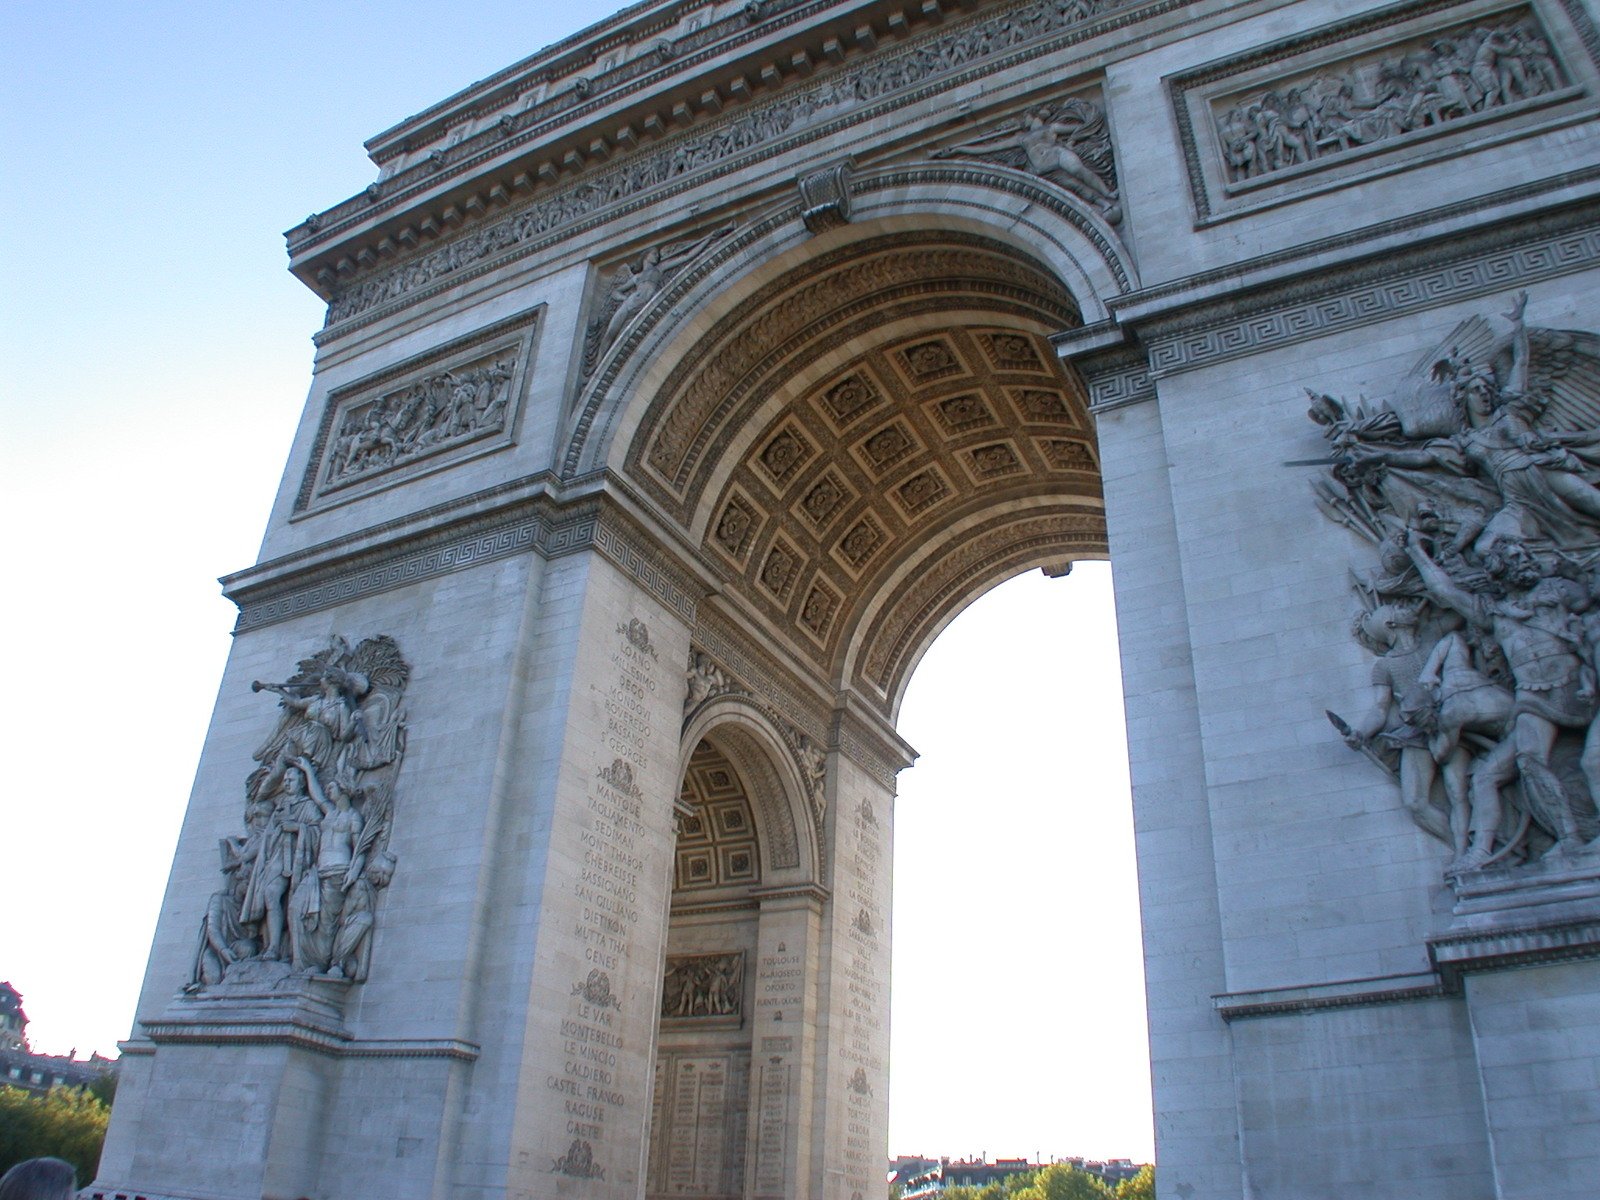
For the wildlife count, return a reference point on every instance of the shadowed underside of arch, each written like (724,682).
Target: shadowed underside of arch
(875,438)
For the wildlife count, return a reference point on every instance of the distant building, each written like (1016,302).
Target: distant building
(21,1067)
(920,1178)
(13,1021)
(1110,1172)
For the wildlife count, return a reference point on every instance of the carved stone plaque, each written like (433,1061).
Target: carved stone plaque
(702,987)
(424,415)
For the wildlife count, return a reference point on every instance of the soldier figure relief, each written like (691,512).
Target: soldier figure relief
(1478,486)
(301,884)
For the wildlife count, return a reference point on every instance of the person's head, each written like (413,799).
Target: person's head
(381,869)
(40,1179)
(1386,625)
(339,792)
(1513,564)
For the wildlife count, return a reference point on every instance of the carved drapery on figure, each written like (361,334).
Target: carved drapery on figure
(1065,141)
(1477,484)
(633,285)
(1445,77)
(704,985)
(300,885)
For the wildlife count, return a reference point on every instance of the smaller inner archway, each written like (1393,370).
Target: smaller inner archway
(720,1122)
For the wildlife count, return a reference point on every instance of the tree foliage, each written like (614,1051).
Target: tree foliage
(104,1088)
(990,1191)
(66,1123)
(1141,1187)
(1062,1181)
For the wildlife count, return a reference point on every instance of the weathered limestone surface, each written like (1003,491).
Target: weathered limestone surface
(680,384)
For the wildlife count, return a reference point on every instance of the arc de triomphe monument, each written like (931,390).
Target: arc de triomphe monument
(682,381)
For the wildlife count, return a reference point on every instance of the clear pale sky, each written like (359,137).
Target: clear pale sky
(157,355)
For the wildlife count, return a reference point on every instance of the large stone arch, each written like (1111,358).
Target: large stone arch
(547,525)
(999,471)
(1069,238)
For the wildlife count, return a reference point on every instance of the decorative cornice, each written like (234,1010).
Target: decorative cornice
(906,76)
(864,737)
(812,894)
(306,1037)
(566,108)
(1457,954)
(628,28)
(1320,997)
(331,575)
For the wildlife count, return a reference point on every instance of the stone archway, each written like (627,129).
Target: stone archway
(724,1117)
(717,354)
(873,434)
(1065,240)
(871,438)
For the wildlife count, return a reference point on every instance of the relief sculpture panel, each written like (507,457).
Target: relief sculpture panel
(1379,92)
(425,414)
(300,885)
(703,985)
(1441,78)
(1065,141)
(1477,486)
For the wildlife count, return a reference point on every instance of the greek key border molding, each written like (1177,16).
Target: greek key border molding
(1116,379)
(444,556)
(616,537)
(1330,309)
(857,743)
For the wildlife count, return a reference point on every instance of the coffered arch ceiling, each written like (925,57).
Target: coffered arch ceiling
(874,439)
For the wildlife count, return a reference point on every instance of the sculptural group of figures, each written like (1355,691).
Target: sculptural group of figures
(703,985)
(1066,142)
(1467,72)
(1478,483)
(433,411)
(300,884)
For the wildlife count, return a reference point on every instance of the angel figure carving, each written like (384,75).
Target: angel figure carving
(301,884)
(634,285)
(1066,142)
(1477,486)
